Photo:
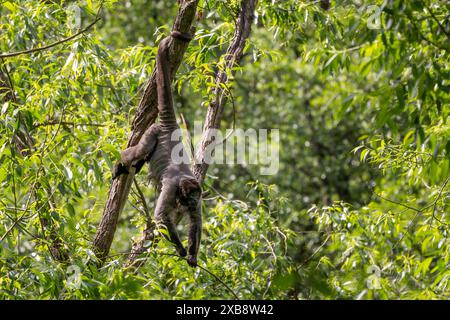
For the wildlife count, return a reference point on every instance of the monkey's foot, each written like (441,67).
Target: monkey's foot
(192,261)
(118,169)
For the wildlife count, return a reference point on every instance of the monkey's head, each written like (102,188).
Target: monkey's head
(189,193)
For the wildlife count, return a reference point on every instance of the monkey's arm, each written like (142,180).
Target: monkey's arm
(165,204)
(195,232)
(137,155)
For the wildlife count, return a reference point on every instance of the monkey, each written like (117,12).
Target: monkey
(180,192)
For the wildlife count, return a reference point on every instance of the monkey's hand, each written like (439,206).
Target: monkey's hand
(118,169)
(192,260)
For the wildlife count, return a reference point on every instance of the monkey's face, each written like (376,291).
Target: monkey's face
(190,193)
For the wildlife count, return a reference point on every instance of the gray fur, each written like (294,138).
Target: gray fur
(172,179)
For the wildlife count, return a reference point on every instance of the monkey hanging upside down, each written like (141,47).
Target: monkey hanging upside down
(180,192)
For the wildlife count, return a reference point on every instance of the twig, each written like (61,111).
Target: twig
(219,280)
(18,53)
(315,252)
(20,226)
(207,271)
(438,22)
(13,226)
(431,42)
(142,198)
(437,199)
(421,210)
(408,230)
(67,123)
(397,203)
(11,84)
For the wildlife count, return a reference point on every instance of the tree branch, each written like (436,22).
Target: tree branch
(232,58)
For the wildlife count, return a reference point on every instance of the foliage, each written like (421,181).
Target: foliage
(233,252)
(358,210)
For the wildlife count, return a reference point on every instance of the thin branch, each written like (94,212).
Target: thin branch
(219,280)
(437,199)
(398,203)
(142,198)
(11,84)
(438,22)
(20,226)
(67,123)
(17,220)
(18,53)
(408,229)
(315,252)
(422,36)
(421,210)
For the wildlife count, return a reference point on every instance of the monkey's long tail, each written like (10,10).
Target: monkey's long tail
(163,80)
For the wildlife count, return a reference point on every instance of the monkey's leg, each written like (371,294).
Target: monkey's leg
(195,233)
(164,206)
(139,165)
